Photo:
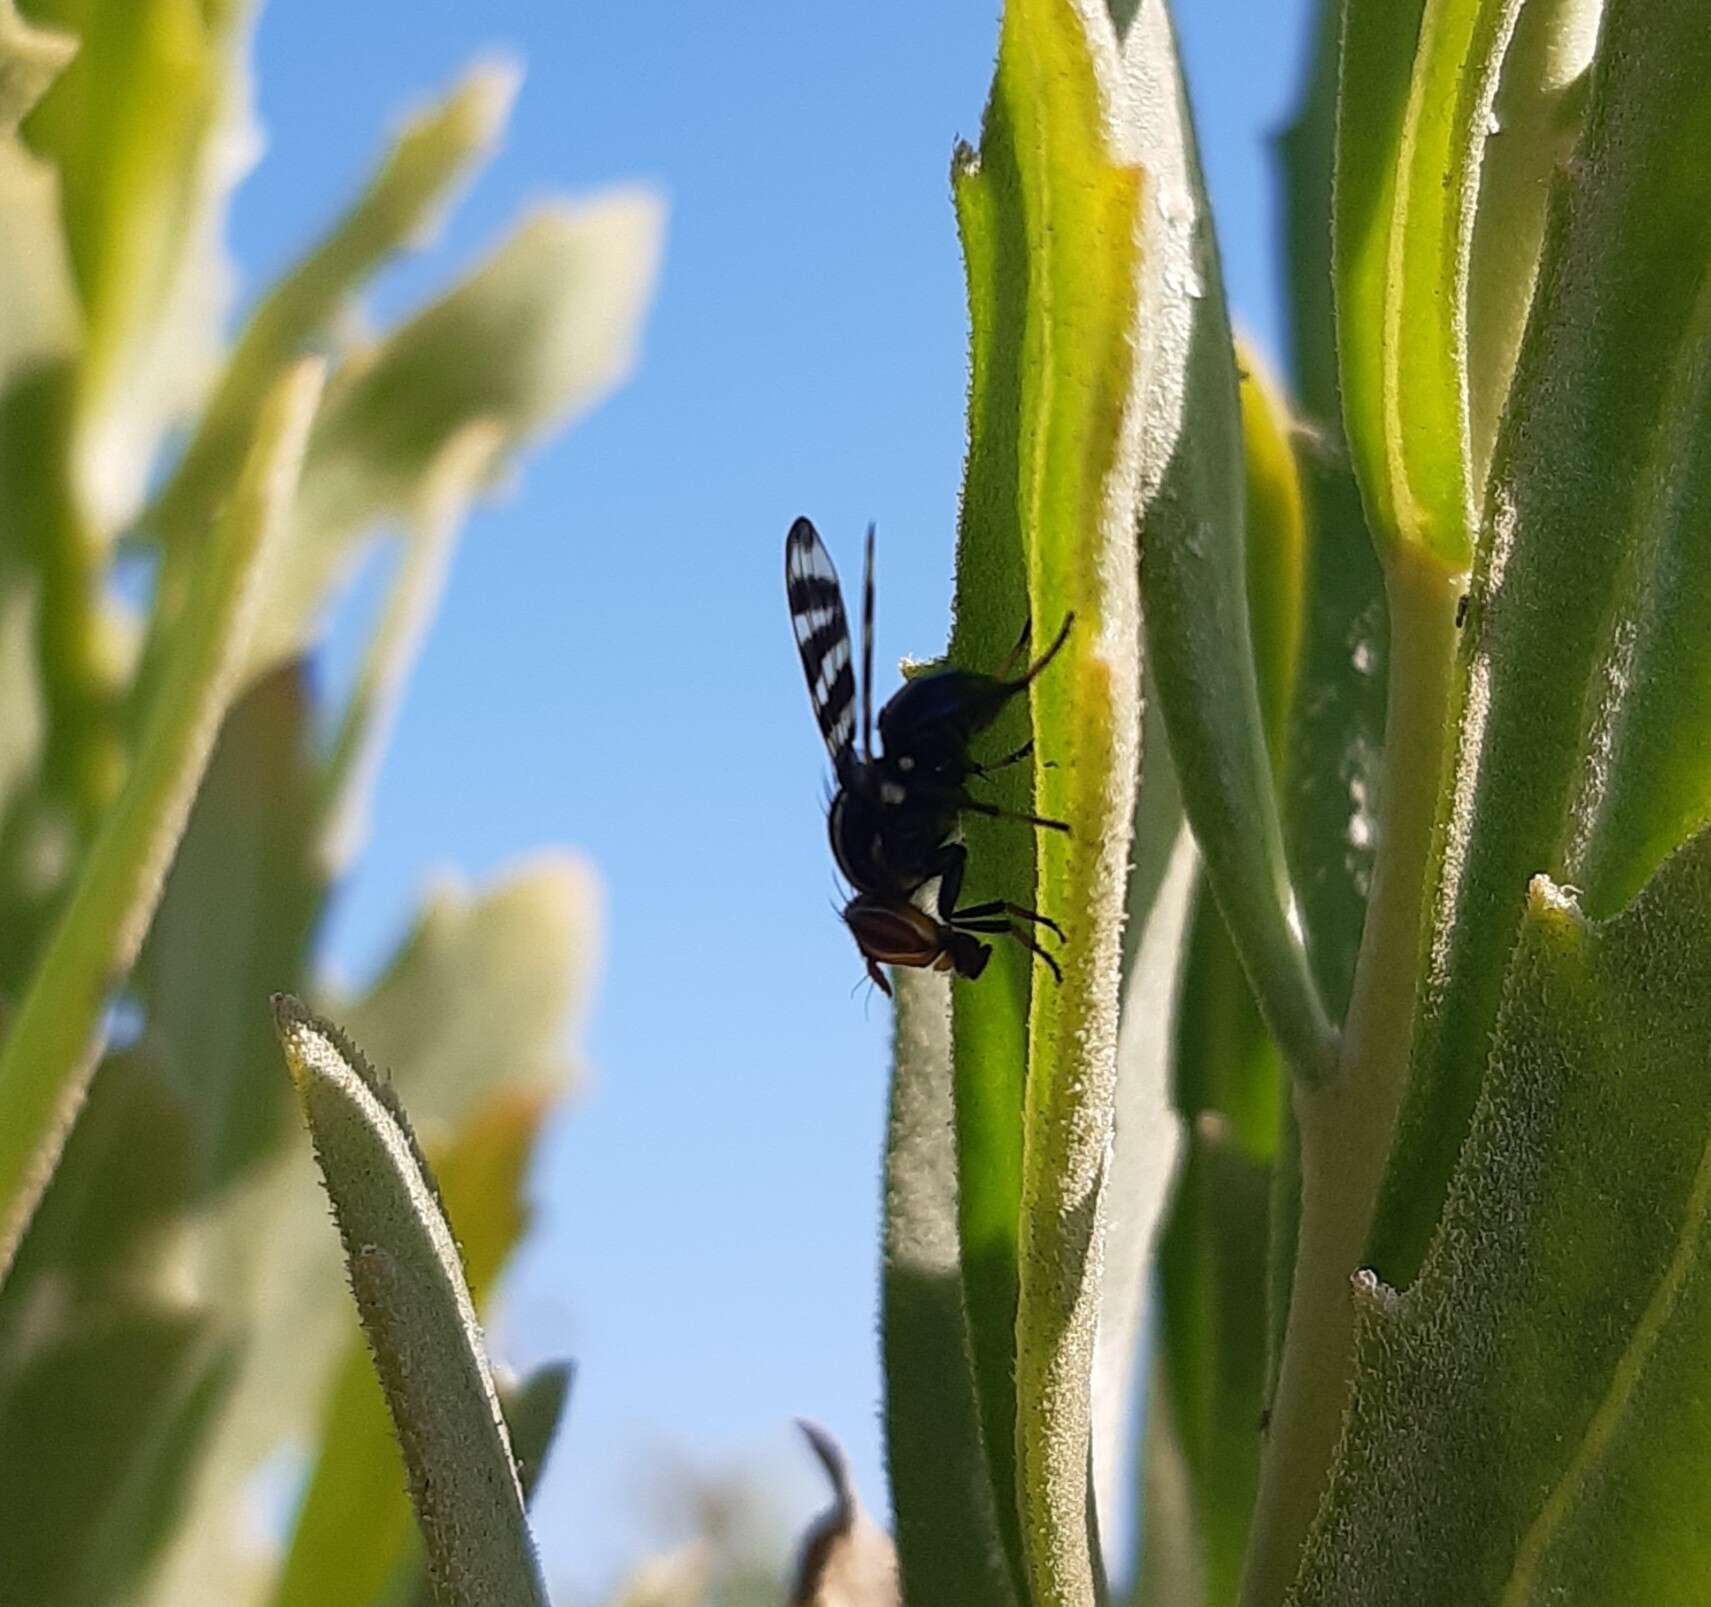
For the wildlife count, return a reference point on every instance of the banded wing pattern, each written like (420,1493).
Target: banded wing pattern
(822,638)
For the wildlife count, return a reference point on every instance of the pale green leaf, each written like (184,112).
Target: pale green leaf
(534,337)
(1419,85)
(432,155)
(410,1292)
(236,922)
(1047,515)
(52,1046)
(149,130)
(482,987)
(1535,120)
(30,59)
(353,1532)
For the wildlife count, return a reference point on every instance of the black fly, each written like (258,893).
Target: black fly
(894,813)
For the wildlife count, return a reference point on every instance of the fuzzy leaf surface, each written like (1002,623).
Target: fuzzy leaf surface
(1529,1422)
(414,1302)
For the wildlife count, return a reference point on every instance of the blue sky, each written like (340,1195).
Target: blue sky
(613,670)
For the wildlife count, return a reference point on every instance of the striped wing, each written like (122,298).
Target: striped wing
(822,637)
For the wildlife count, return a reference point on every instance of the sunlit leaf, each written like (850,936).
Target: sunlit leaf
(410,1292)
(53,1045)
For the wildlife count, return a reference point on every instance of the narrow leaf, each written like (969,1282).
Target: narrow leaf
(1193,564)
(537,335)
(434,152)
(1419,85)
(1048,507)
(947,1533)
(1336,720)
(53,1045)
(420,1322)
(353,1531)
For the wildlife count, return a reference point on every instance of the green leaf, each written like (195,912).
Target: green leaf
(482,986)
(108,1219)
(1145,1151)
(472,993)
(1528,1421)
(98,1435)
(420,1322)
(1212,1285)
(446,493)
(946,1528)
(149,130)
(1419,85)
(1535,120)
(54,1043)
(1276,543)
(1583,693)
(1336,721)
(353,1532)
(30,59)
(236,921)
(1048,219)
(535,336)
(38,308)
(1193,565)
(433,154)
(1229,1095)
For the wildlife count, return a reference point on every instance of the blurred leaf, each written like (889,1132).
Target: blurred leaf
(97,1437)
(1048,222)
(947,1531)
(1529,1421)
(432,155)
(483,972)
(481,987)
(149,131)
(1193,565)
(38,310)
(846,1559)
(447,490)
(536,335)
(353,1531)
(234,924)
(30,59)
(420,1322)
(108,1221)
(678,1579)
(52,1047)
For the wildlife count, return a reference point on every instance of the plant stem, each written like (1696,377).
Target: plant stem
(1346,1123)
